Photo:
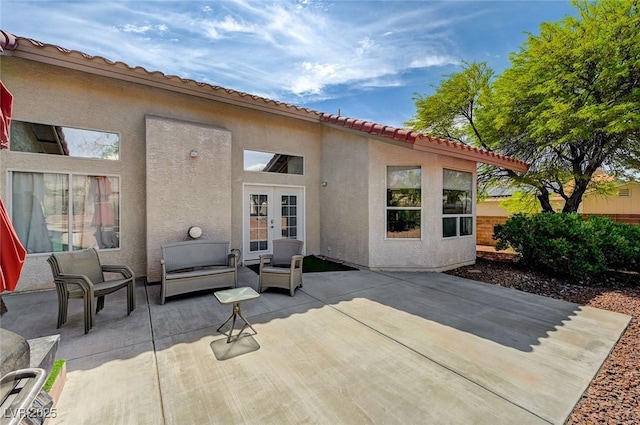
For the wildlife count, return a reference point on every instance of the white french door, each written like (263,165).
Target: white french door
(270,212)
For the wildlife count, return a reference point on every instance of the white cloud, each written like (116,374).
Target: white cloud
(436,60)
(281,49)
(256,167)
(218,29)
(364,46)
(136,29)
(231,25)
(143,29)
(313,77)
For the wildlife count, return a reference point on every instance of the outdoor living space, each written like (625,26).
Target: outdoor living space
(349,347)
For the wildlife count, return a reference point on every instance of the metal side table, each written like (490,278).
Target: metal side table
(236,296)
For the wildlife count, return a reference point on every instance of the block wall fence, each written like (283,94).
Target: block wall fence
(484,225)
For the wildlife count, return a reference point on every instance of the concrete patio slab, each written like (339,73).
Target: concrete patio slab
(114,387)
(318,366)
(36,314)
(350,347)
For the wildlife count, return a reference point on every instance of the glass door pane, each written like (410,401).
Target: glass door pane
(289,216)
(258,222)
(270,212)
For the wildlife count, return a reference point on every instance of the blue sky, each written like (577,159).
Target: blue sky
(365,58)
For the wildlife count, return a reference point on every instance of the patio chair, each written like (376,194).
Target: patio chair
(79,274)
(283,268)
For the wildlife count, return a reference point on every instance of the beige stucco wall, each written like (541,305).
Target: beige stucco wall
(183,191)
(614,204)
(163,191)
(592,203)
(432,252)
(265,132)
(53,95)
(491,207)
(344,200)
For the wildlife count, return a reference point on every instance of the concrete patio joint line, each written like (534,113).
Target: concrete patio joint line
(155,353)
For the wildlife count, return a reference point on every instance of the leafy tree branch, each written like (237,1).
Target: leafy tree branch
(569,104)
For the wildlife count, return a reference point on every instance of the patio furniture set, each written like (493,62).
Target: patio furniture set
(188,266)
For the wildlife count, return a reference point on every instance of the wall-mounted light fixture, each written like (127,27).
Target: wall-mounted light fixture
(194,232)
(325,183)
(193,153)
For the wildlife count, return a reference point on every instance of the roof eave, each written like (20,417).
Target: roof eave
(52,55)
(413,140)
(470,153)
(7,41)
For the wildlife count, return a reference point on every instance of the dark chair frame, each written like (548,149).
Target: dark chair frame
(67,269)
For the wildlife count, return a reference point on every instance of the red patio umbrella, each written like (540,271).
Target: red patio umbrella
(12,253)
(6,106)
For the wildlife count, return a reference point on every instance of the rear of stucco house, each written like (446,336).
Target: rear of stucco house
(185,155)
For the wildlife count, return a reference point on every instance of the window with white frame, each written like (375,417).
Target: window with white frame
(457,203)
(55,212)
(404,202)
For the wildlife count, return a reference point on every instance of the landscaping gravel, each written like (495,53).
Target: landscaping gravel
(613,396)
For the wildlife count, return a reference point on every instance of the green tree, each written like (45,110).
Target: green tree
(569,104)
(450,111)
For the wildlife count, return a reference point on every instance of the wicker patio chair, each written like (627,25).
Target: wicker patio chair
(283,268)
(79,274)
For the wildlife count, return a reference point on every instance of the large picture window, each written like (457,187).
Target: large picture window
(457,203)
(62,212)
(404,202)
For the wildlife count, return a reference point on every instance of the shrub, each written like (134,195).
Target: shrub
(619,242)
(569,245)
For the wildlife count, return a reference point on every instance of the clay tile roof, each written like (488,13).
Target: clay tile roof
(7,41)
(21,41)
(11,42)
(414,137)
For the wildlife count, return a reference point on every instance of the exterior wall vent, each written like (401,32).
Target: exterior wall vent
(624,192)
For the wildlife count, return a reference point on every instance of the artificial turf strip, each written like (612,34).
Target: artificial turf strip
(55,371)
(313,264)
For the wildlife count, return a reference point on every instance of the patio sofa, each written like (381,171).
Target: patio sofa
(197,265)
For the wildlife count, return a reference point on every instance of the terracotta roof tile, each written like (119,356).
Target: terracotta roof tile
(7,41)
(412,137)
(123,65)
(11,42)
